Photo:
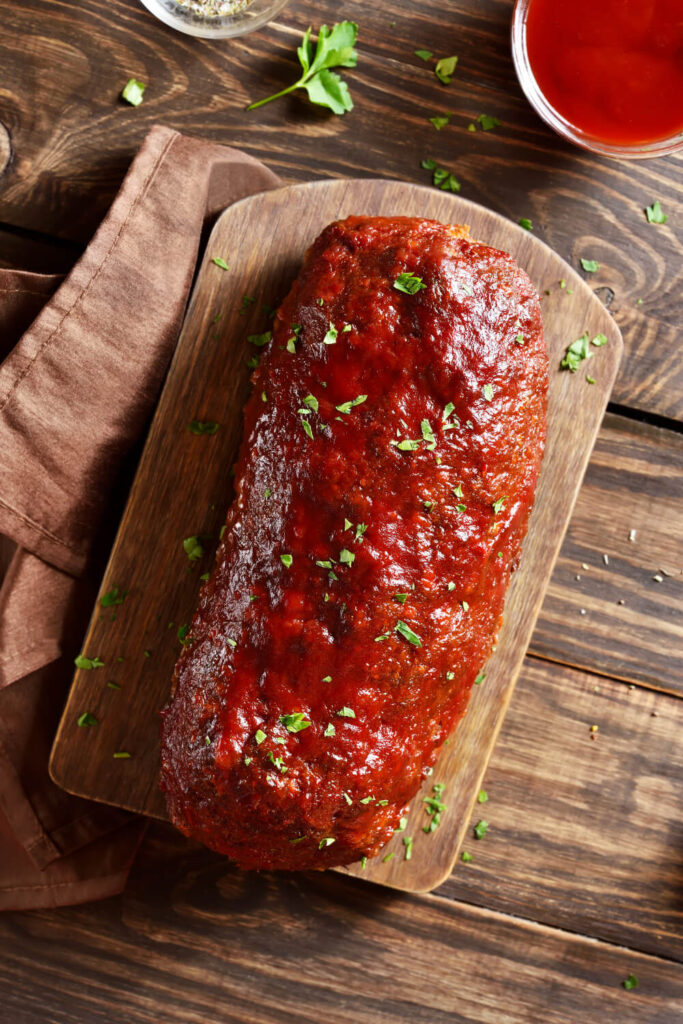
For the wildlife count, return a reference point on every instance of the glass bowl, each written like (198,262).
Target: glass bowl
(639,151)
(238,17)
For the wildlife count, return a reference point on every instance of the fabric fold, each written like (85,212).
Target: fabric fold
(84,360)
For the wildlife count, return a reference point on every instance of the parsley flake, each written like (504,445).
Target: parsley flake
(576,353)
(655,214)
(220,262)
(87,663)
(346,713)
(440,121)
(466,857)
(480,829)
(445,68)
(325,842)
(121,755)
(193,548)
(630,983)
(331,336)
(590,266)
(481,676)
(423,54)
(312,402)
(259,340)
(346,407)
(259,736)
(330,730)
(499,504)
(86,719)
(408,283)
(406,632)
(408,843)
(133,92)
(112,597)
(401,598)
(486,123)
(203,428)
(482,796)
(287,561)
(346,557)
(525,223)
(488,392)
(295,722)
(441,177)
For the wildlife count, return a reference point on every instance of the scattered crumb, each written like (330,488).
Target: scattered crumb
(594,728)
(582,611)
(605,559)
(632,535)
(596,689)
(657,578)
(655,714)
(631,686)
(621,601)
(584,565)
(577,577)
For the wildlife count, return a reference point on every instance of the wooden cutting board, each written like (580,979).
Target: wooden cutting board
(183,489)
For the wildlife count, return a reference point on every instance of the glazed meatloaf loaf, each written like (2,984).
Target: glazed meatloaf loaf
(391,450)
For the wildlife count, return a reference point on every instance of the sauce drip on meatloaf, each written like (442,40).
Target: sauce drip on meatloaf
(390,456)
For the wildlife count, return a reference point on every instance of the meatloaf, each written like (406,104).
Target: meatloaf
(391,449)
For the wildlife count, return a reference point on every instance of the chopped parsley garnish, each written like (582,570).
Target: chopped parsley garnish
(486,123)
(203,428)
(367,800)
(499,505)
(360,531)
(259,736)
(325,842)
(406,632)
(364,859)
(461,508)
(519,338)
(580,350)
(482,796)
(193,548)
(451,586)
(295,722)
(347,798)
(329,730)
(387,857)
(408,843)
(220,262)
(121,755)
(346,407)
(82,662)
(401,598)
(113,686)
(287,561)
(312,402)
(442,178)
(465,606)
(589,379)
(331,336)
(247,301)
(434,807)
(277,761)
(423,54)
(450,676)
(382,636)
(457,491)
(325,88)
(346,713)
(207,741)
(466,857)
(326,679)
(402,825)
(440,121)
(259,340)
(112,597)
(445,68)
(488,392)
(590,266)
(525,223)
(407,445)
(428,435)
(447,412)
(133,92)
(182,633)
(480,829)
(291,345)
(86,719)
(308,429)
(348,525)
(630,983)
(346,557)
(408,283)
(481,676)
(655,214)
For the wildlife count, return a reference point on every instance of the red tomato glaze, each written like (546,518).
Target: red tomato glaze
(612,68)
(425,534)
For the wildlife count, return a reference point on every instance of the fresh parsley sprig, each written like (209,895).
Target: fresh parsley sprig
(335,49)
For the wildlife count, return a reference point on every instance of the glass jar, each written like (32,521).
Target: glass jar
(215,19)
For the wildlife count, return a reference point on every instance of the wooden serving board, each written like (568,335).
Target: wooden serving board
(183,488)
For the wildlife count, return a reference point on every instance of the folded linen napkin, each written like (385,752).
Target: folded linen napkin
(84,359)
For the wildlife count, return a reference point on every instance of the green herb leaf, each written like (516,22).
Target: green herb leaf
(589,379)
(86,719)
(287,561)
(324,87)
(525,223)
(182,633)
(401,598)
(423,54)
(87,663)
(488,392)
(346,713)
(203,428)
(193,548)
(220,262)
(440,121)
(406,632)
(486,123)
(308,429)
(113,686)
(330,730)
(331,336)
(259,736)
(259,340)
(408,283)
(442,178)
(482,796)
(599,340)
(112,597)
(325,842)
(312,402)
(346,407)
(499,504)
(133,92)
(295,722)
(481,676)
(121,755)
(655,214)
(466,857)
(480,829)
(346,557)
(445,68)
(407,445)
(590,266)
(576,353)
(630,982)
(408,843)
(428,434)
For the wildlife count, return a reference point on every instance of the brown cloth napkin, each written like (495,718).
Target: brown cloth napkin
(84,360)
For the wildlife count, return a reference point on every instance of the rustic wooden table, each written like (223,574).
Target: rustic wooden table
(578,882)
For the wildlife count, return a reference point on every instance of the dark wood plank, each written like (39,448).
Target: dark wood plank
(623,618)
(585,828)
(193,941)
(67,163)
(180,491)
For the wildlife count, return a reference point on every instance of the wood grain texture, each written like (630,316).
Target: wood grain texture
(623,615)
(72,142)
(193,941)
(180,490)
(585,828)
